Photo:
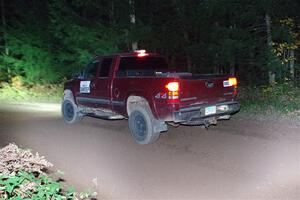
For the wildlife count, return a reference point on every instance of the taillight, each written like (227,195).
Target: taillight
(232,81)
(173,90)
(173,86)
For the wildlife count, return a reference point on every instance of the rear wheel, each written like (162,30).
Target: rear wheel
(141,124)
(70,112)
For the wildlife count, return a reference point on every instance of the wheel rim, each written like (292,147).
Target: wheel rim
(140,127)
(68,111)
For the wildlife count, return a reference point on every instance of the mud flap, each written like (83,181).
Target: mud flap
(159,126)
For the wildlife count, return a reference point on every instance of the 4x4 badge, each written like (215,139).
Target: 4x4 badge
(161,95)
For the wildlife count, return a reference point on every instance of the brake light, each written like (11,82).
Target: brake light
(173,86)
(173,90)
(141,53)
(232,81)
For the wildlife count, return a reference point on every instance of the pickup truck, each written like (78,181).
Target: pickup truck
(139,87)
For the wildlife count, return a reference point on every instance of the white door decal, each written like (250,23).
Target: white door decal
(85,86)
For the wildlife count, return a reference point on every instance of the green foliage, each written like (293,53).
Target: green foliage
(283,98)
(33,93)
(47,41)
(269,60)
(77,40)
(24,175)
(33,61)
(29,185)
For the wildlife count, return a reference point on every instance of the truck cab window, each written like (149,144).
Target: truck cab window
(145,66)
(91,70)
(105,67)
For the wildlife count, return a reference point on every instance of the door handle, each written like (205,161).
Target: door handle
(116,92)
(209,84)
(93,85)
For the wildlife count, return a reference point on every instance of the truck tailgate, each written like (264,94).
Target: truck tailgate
(204,89)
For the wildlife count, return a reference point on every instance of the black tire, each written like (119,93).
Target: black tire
(141,125)
(70,112)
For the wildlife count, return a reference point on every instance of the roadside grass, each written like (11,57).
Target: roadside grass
(30,93)
(280,99)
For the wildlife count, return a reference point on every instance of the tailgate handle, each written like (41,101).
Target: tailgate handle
(209,84)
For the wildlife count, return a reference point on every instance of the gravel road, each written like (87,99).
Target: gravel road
(241,158)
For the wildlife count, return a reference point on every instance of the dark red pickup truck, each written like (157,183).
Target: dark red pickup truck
(138,86)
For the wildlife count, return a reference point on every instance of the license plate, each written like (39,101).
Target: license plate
(226,84)
(210,110)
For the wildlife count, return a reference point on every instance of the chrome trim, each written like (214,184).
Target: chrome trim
(194,108)
(92,100)
(100,101)
(118,103)
(188,99)
(228,93)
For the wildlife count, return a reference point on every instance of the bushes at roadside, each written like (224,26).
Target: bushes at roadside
(16,92)
(283,98)
(23,176)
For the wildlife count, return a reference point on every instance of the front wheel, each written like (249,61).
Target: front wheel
(141,125)
(70,112)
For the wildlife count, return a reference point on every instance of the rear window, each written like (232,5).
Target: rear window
(141,66)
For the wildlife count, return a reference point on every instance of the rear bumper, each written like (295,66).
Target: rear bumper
(196,115)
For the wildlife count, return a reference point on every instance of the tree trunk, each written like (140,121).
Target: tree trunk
(186,37)
(233,56)
(292,64)
(269,43)
(4,27)
(232,66)
(6,50)
(271,77)
(134,44)
(188,58)
(112,13)
(216,69)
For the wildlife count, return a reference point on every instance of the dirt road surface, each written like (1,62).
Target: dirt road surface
(238,159)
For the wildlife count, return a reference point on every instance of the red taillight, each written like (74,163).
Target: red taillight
(173,90)
(232,81)
(173,86)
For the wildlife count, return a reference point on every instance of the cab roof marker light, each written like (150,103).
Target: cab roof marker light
(141,53)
